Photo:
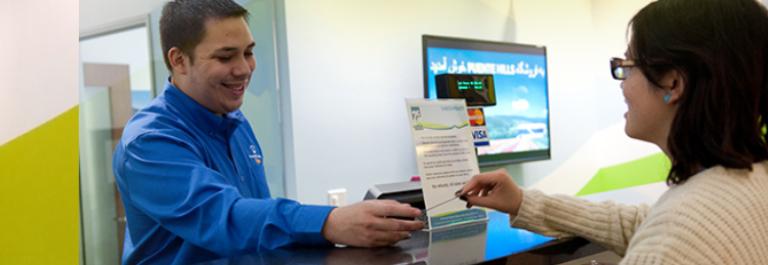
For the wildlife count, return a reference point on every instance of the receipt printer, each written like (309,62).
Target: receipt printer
(405,192)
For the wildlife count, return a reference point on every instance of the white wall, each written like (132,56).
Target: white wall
(37,62)
(353,62)
(100,14)
(581,37)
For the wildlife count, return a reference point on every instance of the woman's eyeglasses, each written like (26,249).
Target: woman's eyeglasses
(620,68)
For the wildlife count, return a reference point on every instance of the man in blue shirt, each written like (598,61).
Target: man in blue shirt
(190,170)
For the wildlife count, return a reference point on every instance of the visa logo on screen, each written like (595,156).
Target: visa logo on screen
(480,135)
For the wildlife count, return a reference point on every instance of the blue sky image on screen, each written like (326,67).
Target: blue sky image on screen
(519,121)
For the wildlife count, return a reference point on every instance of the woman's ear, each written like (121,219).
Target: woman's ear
(673,85)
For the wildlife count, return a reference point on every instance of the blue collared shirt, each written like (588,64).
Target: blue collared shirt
(193,187)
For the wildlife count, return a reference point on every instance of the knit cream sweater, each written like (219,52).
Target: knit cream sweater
(719,216)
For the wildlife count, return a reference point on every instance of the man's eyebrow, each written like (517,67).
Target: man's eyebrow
(226,49)
(231,49)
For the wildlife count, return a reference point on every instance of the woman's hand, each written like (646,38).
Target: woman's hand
(494,190)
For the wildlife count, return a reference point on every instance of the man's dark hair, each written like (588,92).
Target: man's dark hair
(721,48)
(182,23)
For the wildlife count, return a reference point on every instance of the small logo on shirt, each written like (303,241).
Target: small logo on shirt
(254,155)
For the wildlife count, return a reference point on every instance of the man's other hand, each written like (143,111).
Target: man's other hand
(368,223)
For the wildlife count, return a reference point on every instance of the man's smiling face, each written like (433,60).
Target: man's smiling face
(222,66)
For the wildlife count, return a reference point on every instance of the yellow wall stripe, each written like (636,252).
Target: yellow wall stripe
(39,194)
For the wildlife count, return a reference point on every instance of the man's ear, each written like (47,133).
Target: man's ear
(673,84)
(178,60)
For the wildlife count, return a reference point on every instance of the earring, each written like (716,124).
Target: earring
(667,97)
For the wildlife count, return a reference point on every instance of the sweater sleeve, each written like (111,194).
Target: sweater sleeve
(609,224)
(717,217)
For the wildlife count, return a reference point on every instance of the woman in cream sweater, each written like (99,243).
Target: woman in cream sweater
(695,80)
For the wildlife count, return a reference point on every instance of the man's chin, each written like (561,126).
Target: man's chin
(234,106)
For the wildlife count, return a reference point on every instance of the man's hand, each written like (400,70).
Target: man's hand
(366,224)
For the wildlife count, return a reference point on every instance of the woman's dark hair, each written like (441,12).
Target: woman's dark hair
(720,47)
(182,23)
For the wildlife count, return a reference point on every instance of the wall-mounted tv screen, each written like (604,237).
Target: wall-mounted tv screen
(518,125)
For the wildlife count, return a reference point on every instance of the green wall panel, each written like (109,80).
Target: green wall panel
(646,170)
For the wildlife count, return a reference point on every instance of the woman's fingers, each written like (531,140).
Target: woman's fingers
(494,190)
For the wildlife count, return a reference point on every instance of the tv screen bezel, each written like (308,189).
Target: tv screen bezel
(485,45)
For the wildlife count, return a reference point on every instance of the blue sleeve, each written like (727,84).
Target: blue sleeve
(166,178)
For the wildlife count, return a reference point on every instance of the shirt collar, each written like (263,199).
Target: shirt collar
(199,116)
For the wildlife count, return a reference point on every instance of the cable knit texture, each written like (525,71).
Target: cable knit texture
(719,216)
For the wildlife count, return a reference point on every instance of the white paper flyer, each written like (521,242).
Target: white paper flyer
(446,158)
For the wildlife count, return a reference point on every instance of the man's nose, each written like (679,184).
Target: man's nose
(242,68)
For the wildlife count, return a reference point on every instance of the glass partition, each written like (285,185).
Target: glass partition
(115,82)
